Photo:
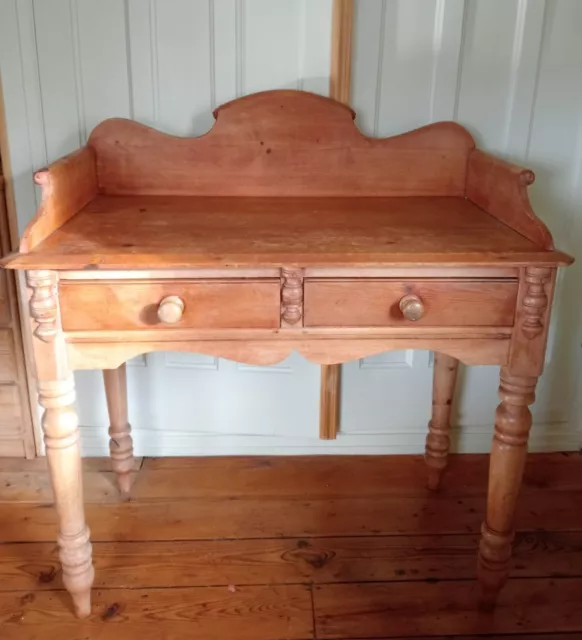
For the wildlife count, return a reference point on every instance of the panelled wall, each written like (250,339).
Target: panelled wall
(16,436)
(508,70)
(504,68)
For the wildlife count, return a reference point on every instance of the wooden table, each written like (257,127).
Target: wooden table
(285,229)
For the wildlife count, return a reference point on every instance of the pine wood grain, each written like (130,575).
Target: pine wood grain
(272,517)
(190,563)
(212,613)
(312,477)
(341,50)
(40,464)
(413,609)
(353,303)
(500,188)
(329,401)
(183,232)
(477,636)
(367,585)
(67,186)
(281,143)
(295,170)
(326,475)
(247,304)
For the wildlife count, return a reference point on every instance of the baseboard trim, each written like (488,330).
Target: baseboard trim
(544,437)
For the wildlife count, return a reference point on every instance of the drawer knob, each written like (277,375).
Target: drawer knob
(171,309)
(412,308)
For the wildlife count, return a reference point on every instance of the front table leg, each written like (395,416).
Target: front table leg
(508,455)
(56,391)
(61,437)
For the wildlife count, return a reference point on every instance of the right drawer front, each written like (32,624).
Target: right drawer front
(375,303)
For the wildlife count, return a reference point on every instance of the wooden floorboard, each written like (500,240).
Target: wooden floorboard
(40,464)
(420,608)
(521,636)
(283,477)
(35,566)
(349,548)
(271,517)
(211,613)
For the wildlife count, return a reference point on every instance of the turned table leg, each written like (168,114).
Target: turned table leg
(508,454)
(61,437)
(120,442)
(438,439)
(56,392)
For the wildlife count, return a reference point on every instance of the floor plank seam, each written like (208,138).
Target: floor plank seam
(313,616)
(307,585)
(565,530)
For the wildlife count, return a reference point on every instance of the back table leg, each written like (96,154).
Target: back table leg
(120,442)
(438,439)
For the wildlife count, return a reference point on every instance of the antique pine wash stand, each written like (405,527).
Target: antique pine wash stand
(285,229)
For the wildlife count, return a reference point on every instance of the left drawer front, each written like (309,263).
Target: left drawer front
(89,306)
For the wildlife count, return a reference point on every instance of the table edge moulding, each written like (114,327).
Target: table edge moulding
(285,229)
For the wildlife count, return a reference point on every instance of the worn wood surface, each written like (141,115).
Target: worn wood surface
(256,517)
(60,426)
(120,440)
(243,304)
(181,232)
(212,613)
(198,563)
(412,609)
(86,348)
(438,440)
(67,186)
(353,303)
(281,143)
(296,171)
(298,579)
(320,477)
(500,188)
(341,50)
(329,401)
(286,145)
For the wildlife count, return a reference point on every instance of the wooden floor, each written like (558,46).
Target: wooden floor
(292,548)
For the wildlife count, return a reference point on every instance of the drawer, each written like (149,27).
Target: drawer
(377,303)
(187,304)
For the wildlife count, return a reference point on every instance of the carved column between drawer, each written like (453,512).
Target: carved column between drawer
(43,303)
(291,297)
(535,301)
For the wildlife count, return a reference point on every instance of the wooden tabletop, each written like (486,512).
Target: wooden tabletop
(117,232)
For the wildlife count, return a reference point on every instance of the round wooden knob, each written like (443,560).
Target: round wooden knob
(412,308)
(170,309)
